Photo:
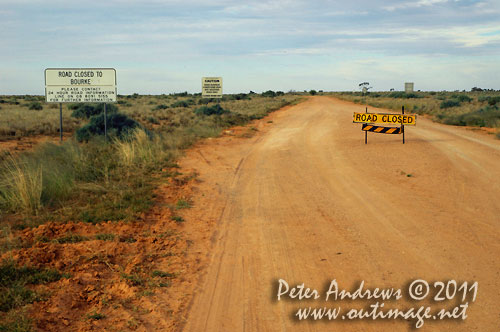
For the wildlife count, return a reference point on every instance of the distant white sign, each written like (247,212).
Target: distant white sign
(211,87)
(80,85)
(409,87)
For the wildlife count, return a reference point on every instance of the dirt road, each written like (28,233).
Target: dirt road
(306,201)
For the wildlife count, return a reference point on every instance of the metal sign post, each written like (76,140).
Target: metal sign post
(105,124)
(60,123)
(402,125)
(366,132)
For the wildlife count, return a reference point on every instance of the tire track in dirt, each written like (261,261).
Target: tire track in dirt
(307,201)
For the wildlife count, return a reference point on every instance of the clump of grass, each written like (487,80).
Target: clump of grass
(95,315)
(128,239)
(141,150)
(71,238)
(162,274)
(7,240)
(182,204)
(16,321)
(13,281)
(153,120)
(21,186)
(133,279)
(178,219)
(105,237)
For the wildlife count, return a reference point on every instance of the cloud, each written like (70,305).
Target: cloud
(414,4)
(183,38)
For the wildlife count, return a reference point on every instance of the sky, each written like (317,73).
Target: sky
(166,46)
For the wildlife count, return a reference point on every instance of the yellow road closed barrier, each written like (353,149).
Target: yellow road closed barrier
(398,119)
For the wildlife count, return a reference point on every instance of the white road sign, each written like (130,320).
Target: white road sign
(211,87)
(80,85)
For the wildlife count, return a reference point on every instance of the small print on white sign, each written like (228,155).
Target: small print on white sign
(80,85)
(211,87)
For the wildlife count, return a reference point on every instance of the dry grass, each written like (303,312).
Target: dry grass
(17,120)
(473,110)
(21,185)
(97,181)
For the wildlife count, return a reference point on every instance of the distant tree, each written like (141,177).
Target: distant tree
(364,86)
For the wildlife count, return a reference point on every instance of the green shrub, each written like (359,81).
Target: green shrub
(183,103)
(13,280)
(118,125)
(404,95)
(238,96)
(269,93)
(313,92)
(462,98)
(449,103)
(212,110)
(485,117)
(493,100)
(160,107)
(35,106)
(206,101)
(96,316)
(85,111)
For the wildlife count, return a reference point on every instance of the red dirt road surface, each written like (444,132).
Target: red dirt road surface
(306,201)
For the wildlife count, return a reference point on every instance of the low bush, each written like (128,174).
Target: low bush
(449,103)
(402,94)
(161,107)
(485,117)
(35,106)
(210,110)
(183,103)
(269,93)
(462,98)
(118,125)
(493,100)
(86,111)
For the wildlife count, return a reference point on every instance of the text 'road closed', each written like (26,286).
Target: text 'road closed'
(407,120)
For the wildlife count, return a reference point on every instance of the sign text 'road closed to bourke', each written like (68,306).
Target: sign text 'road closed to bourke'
(80,85)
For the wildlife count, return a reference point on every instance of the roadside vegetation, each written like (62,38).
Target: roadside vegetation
(92,180)
(147,134)
(477,108)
